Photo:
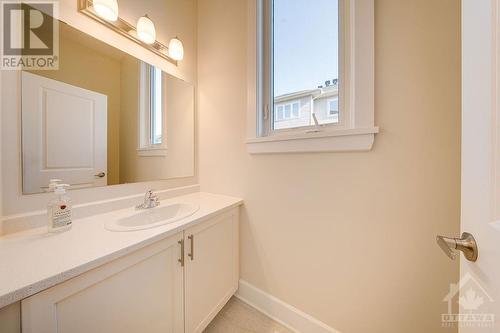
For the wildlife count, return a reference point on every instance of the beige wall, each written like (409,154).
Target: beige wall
(347,237)
(128,122)
(1,150)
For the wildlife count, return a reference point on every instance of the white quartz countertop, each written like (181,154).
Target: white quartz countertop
(35,260)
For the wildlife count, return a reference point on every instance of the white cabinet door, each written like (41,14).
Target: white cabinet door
(64,131)
(142,292)
(211,270)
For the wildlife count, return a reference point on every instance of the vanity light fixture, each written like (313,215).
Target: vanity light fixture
(107,9)
(144,34)
(176,49)
(146,30)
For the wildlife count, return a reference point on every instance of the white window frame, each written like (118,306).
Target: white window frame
(145,145)
(356,130)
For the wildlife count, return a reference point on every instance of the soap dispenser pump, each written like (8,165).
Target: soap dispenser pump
(59,210)
(53,183)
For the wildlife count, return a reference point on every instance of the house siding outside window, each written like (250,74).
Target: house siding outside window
(314,100)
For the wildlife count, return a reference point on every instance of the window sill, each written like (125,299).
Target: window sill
(345,140)
(144,152)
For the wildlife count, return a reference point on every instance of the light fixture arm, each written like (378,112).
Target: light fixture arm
(125,29)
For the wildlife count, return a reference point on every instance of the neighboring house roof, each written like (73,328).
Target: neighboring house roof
(329,91)
(314,93)
(297,94)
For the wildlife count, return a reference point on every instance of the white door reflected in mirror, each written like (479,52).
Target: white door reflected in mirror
(64,134)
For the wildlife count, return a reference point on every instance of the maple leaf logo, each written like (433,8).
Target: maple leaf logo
(470,301)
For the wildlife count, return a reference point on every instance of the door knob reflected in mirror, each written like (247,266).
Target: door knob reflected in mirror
(467,244)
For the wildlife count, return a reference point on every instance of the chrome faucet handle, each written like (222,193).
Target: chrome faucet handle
(150,200)
(149,194)
(152,194)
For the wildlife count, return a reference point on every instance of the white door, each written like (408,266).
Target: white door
(479,299)
(139,293)
(211,270)
(64,134)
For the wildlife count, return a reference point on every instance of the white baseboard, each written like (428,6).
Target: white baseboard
(283,313)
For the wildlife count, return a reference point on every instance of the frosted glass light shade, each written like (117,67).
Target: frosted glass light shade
(107,9)
(146,30)
(176,49)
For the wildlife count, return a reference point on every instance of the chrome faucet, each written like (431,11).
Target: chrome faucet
(151,200)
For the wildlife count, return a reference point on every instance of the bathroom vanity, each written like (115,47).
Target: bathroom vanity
(170,278)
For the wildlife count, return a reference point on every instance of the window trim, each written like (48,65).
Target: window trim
(145,147)
(356,130)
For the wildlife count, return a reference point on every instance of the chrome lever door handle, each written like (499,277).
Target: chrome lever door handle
(100,175)
(448,245)
(466,244)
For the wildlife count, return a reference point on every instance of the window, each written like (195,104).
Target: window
(304,55)
(333,110)
(318,52)
(151,111)
(287,111)
(156,106)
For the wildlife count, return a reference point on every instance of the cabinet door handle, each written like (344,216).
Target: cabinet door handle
(181,259)
(191,254)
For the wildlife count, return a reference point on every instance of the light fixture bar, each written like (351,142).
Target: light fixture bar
(125,29)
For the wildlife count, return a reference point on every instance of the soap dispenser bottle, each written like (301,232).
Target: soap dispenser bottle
(59,210)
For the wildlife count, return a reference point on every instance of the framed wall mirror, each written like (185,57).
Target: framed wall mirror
(103,118)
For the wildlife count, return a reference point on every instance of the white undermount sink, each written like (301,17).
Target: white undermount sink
(153,217)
